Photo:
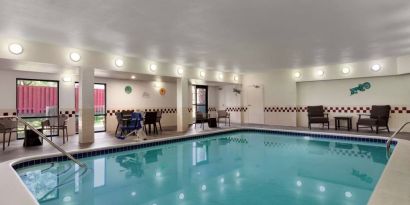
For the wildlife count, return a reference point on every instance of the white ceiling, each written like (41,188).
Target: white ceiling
(249,36)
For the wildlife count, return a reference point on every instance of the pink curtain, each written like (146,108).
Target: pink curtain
(99,100)
(35,99)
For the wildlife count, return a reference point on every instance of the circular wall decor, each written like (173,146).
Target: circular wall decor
(162,91)
(128,89)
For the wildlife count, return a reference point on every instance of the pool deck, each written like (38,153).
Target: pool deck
(392,188)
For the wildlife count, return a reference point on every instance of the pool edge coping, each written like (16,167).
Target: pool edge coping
(28,196)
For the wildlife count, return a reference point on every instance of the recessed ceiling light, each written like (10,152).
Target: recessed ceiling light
(75,56)
(320,73)
(133,77)
(202,74)
(153,67)
(119,62)
(348,194)
(180,70)
(345,70)
(181,196)
(297,74)
(203,187)
(16,48)
(376,67)
(298,183)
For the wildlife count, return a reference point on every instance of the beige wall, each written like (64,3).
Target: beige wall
(117,99)
(388,90)
(279,91)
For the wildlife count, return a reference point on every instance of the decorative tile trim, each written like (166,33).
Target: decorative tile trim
(22,164)
(112,112)
(211,109)
(337,109)
(236,109)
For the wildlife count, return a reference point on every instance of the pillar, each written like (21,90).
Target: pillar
(183,118)
(86,105)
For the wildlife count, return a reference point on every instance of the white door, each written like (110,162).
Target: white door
(254,96)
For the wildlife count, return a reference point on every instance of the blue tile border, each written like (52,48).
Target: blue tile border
(86,154)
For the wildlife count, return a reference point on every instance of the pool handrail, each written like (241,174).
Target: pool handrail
(43,136)
(389,141)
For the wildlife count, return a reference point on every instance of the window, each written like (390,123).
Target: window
(199,99)
(99,106)
(36,101)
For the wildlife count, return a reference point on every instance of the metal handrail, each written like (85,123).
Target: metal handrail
(43,136)
(388,143)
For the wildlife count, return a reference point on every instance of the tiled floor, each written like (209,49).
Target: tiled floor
(16,150)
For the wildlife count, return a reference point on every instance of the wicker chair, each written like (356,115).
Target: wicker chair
(317,115)
(379,117)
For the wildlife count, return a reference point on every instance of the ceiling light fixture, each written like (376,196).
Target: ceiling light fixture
(220,76)
(202,74)
(67,79)
(119,62)
(75,56)
(345,70)
(133,77)
(376,67)
(16,48)
(153,67)
(180,70)
(321,73)
(297,75)
(235,78)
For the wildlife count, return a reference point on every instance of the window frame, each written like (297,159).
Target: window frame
(98,115)
(39,117)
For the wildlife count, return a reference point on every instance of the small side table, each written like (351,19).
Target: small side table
(348,119)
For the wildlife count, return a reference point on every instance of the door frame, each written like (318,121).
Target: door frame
(262,100)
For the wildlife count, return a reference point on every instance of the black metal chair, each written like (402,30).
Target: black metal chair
(150,119)
(317,115)
(200,118)
(379,117)
(223,114)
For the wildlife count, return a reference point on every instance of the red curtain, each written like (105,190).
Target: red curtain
(35,99)
(99,100)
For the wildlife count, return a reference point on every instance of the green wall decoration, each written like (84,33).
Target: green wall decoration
(361,87)
(128,89)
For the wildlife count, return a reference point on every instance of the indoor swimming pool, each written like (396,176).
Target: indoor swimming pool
(241,168)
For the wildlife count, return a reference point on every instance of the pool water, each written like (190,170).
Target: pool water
(233,168)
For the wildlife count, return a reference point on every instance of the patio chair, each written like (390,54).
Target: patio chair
(61,125)
(200,118)
(317,115)
(159,116)
(379,117)
(223,114)
(46,125)
(150,119)
(7,125)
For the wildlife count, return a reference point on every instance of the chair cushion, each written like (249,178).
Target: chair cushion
(367,121)
(318,120)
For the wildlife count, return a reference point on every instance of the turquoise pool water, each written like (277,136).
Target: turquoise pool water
(231,169)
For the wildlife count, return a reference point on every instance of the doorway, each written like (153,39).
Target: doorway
(200,99)
(255,104)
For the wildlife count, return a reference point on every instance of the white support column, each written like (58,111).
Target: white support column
(182,104)
(86,112)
